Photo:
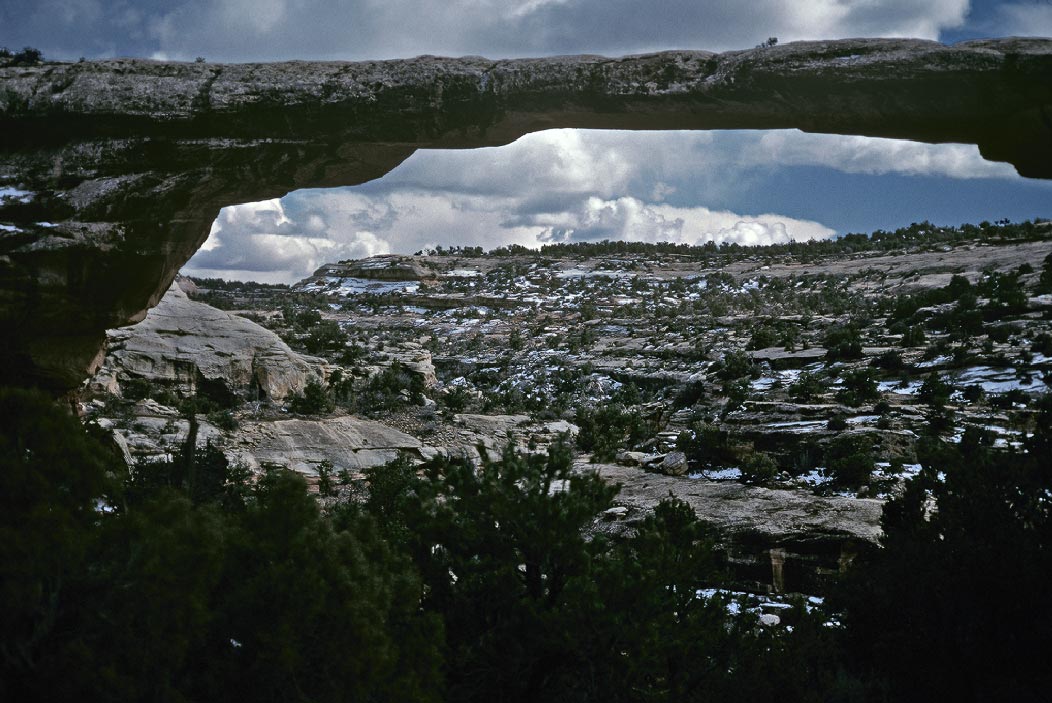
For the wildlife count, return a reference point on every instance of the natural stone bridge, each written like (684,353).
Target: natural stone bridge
(113,171)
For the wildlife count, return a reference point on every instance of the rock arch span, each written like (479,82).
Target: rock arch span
(113,171)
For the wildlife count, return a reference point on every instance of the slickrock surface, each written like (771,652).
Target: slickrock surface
(779,515)
(347,443)
(781,539)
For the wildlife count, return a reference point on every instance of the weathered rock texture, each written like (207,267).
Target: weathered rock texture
(130,160)
(387,267)
(347,443)
(784,539)
(200,350)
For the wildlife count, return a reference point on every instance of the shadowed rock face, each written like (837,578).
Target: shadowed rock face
(128,162)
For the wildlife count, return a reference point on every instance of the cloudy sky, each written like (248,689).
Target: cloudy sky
(748,187)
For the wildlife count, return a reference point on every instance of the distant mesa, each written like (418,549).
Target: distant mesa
(385,267)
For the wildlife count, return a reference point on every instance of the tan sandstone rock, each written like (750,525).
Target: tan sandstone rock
(187,344)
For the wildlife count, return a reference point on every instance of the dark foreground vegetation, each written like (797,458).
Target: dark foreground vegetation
(190,582)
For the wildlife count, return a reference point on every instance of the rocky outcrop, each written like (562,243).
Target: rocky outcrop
(384,267)
(194,348)
(113,171)
(346,443)
(775,539)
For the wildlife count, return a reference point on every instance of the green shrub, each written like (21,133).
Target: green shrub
(759,468)
(326,335)
(735,365)
(456,399)
(806,388)
(891,360)
(934,391)
(607,429)
(314,400)
(762,337)
(913,337)
(837,423)
(859,387)
(921,610)
(136,389)
(223,419)
(709,447)
(1044,284)
(842,342)
(325,472)
(26,57)
(849,461)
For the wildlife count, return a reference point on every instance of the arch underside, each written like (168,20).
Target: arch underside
(120,167)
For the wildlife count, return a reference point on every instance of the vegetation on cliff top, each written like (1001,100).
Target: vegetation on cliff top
(919,235)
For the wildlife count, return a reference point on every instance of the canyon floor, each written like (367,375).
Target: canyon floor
(784,395)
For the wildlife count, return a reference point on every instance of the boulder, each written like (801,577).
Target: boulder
(496,426)
(627,458)
(417,361)
(197,348)
(672,464)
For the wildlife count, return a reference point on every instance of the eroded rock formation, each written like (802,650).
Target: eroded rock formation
(788,539)
(192,347)
(111,172)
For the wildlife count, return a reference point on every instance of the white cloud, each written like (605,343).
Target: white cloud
(567,163)
(245,244)
(885,18)
(1032,19)
(562,185)
(264,213)
(259,16)
(259,241)
(701,225)
(258,30)
(564,160)
(631,219)
(76,12)
(661,191)
(870,155)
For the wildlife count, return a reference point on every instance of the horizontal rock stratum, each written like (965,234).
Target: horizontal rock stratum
(112,172)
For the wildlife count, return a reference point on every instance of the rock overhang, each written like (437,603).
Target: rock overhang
(128,161)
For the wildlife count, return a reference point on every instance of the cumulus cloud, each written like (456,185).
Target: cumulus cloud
(852,154)
(570,162)
(632,219)
(274,243)
(254,30)
(259,241)
(558,160)
(566,185)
